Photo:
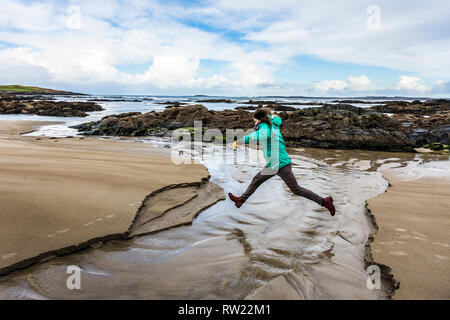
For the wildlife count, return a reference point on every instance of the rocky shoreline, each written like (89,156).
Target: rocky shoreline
(386,126)
(44,106)
(393,126)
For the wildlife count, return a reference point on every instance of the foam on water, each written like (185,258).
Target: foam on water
(420,168)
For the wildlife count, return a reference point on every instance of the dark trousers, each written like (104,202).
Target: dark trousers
(287,176)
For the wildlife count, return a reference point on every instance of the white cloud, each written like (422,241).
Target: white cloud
(144,33)
(408,39)
(32,17)
(441,86)
(279,33)
(171,70)
(328,85)
(361,83)
(411,84)
(14,72)
(113,33)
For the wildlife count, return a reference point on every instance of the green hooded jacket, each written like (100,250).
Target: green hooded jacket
(272,143)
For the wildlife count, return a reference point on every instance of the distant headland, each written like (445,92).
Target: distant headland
(14,88)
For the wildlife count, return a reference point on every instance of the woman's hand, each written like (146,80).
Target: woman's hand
(235,144)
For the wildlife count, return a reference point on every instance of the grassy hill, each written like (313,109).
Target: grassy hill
(30,90)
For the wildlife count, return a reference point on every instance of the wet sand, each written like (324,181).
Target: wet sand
(413,237)
(62,193)
(277,242)
(15,128)
(277,246)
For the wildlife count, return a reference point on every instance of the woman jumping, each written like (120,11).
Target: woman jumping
(278,162)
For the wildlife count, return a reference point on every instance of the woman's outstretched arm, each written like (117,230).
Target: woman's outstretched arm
(250,138)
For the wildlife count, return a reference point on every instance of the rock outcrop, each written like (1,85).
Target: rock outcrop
(340,126)
(415,107)
(215,101)
(344,127)
(15,104)
(424,122)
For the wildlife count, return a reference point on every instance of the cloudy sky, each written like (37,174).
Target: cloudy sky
(228,47)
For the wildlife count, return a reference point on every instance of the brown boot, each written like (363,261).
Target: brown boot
(328,203)
(237,200)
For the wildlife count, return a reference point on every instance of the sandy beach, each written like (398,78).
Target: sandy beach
(69,193)
(413,237)
(66,194)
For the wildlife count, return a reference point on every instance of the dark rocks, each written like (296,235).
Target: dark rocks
(437,102)
(172,103)
(187,115)
(418,121)
(272,104)
(329,108)
(441,134)
(334,126)
(85,127)
(424,122)
(340,126)
(174,125)
(115,100)
(344,127)
(352,101)
(280,108)
(12,104)
(158,123)
(259,102)
(215,101)
(414,107)
(248,108)
(275,107)
(420,136)
(126,114)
